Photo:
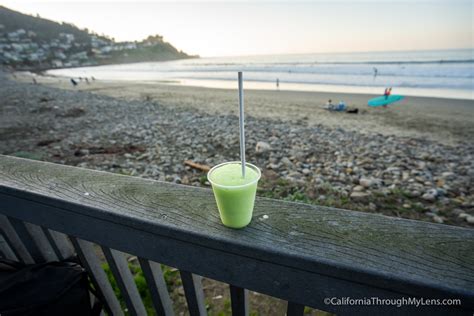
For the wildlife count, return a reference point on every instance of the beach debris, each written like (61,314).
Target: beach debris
(359,195)
(73,112)
(370,182)
(144,156)
(262,147)
(46,142)
(470,219)
(448,175)
(430,195)
(196,165)
(287,162)
(81,152)
(366,183)
(273,166)
(358,188)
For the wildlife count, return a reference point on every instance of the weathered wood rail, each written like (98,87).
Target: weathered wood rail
(297,252)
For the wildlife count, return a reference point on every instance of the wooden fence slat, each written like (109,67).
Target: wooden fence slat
(51,241)
(6,250)
(119,267)
(239,300)
(61,244)
(27,240)
(91,263)
(41,240)
(192,285)
(294,309)
(157,286)
(15,241)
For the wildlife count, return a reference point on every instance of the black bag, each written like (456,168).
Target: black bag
(53,288)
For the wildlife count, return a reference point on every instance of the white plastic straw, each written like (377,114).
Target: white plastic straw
(241,123)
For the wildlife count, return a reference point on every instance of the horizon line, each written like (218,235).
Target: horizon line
(342,52)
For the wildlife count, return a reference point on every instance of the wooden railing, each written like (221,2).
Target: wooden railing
(300,253)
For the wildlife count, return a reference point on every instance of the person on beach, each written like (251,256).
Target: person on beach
(341,106)
(329,105)
(386,93)
(278,84)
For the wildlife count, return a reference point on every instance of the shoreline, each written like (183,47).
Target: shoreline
(347,90)
(435,93)
(448,121)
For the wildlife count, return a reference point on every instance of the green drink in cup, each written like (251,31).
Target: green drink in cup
(235,183)
(235,195)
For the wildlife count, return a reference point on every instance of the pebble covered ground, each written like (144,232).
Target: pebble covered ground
(397,176)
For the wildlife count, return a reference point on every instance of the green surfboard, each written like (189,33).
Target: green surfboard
(383,100)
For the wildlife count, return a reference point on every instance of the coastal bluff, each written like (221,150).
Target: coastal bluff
(34,43)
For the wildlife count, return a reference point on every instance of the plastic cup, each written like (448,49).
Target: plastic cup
(235,196)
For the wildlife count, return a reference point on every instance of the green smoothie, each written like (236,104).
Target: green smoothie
(234,195)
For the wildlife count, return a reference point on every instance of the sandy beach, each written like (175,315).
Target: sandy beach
(412,160)
(444,120)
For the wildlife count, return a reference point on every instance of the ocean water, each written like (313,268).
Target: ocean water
(444,73)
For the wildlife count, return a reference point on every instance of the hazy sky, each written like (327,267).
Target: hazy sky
(225,28)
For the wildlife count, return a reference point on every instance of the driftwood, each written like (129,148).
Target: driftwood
(196,165)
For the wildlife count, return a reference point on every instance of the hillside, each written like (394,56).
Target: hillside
(29,42)
(45,30)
